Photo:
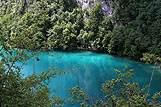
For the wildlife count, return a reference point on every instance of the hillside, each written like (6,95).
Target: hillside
(133,28)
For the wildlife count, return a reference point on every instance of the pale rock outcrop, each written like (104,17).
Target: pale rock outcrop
(87,4)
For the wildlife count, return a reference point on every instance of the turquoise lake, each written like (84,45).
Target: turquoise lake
(88,70)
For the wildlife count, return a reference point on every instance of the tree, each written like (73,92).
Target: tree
(140,34)
(119,92)
(18,91)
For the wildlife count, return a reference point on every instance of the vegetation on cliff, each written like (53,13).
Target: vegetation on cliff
(132,30)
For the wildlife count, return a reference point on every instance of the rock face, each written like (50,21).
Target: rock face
(106,8)
(86,3)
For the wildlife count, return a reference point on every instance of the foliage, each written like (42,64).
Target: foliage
(121,92)
(133,29)
(15,90)
(151,59)
(140,23)
(78,95)
(18,92)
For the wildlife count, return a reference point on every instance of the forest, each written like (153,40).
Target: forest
(133,30)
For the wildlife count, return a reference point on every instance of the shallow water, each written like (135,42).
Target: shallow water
(88,70)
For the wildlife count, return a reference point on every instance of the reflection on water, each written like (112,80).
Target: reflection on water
(88,70)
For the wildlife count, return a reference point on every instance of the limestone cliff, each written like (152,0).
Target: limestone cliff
(86,4)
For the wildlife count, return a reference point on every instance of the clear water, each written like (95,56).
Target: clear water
(88,70)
